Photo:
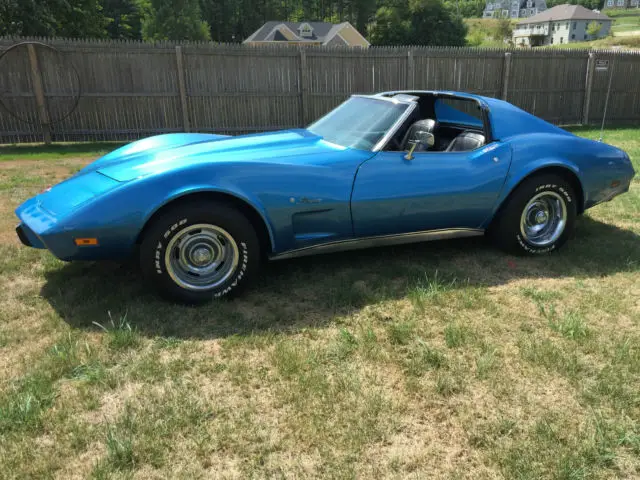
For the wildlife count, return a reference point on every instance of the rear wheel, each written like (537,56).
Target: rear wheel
(196,252)
(538,218)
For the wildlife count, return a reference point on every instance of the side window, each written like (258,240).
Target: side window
(452,122)
(461,125)
(458,111)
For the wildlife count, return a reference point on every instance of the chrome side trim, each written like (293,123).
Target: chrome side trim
(380,241)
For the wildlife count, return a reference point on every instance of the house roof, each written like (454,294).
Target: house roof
(565,12)
(322,31)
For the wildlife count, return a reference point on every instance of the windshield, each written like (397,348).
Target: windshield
(359,122)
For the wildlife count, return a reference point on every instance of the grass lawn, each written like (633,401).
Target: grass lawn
(624,20)
(631,42)
(438,360)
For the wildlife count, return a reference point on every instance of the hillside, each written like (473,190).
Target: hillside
(626,32)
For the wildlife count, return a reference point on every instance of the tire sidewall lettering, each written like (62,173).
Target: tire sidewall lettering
(555,188)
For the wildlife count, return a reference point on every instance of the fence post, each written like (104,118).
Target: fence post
(38,91)
(303,88)
(591,63)
(410,69)
(182,86)
(506,73)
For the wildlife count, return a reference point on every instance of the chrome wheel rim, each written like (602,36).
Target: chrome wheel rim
(201,257)
(543,219)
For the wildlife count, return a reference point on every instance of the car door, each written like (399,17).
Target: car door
(434,190)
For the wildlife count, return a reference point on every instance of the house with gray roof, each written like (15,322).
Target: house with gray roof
(307,33)
(560,24)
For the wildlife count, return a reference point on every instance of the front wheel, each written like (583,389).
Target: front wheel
(196,252)
(538,218)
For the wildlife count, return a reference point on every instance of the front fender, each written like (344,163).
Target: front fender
(230,190)
(118,217)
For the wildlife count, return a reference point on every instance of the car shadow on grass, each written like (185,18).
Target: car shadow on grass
(313,291)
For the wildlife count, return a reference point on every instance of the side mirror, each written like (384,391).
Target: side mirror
(422,138)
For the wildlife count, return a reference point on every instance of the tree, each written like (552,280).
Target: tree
(466,8)
(80,18)
(476,38)
(504,30)
(124,19)
(389,28)
(221,17)
(23,17)
(594,28)
(173,20)
(417,22)
(433,24)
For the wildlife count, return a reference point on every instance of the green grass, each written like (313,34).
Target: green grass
(632,42)
(440,360)
(481,32)
(624,21)
(56,151)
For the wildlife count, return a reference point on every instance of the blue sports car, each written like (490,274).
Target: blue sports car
(201,211)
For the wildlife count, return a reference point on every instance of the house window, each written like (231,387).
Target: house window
(621,3)
(573,36)
(551,39)
(609,3)
(561,40)
(529,4)
(566,25)
(634,3)
(514,14)
(585,36)
(305,30)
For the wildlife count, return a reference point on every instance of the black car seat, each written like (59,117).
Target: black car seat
(465,142)
(427,125)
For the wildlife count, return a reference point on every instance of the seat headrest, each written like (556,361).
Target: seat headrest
(426,125)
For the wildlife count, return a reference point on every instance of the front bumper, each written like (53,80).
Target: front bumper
(40,229)
(28,237)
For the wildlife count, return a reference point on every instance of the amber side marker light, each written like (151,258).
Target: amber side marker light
(83,242)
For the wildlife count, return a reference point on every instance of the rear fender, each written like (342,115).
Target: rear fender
(519,172)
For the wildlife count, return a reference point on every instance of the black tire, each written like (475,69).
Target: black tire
(507,231)
(179,224)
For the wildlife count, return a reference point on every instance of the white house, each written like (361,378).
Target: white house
(513,8)
(621,4)
(560,24)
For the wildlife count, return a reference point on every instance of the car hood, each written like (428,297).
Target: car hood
(164,155)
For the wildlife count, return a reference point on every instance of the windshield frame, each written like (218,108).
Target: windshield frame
(411,106)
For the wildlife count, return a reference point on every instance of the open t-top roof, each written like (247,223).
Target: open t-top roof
(506,119)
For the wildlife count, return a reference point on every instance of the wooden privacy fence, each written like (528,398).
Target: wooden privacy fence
(111,90)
